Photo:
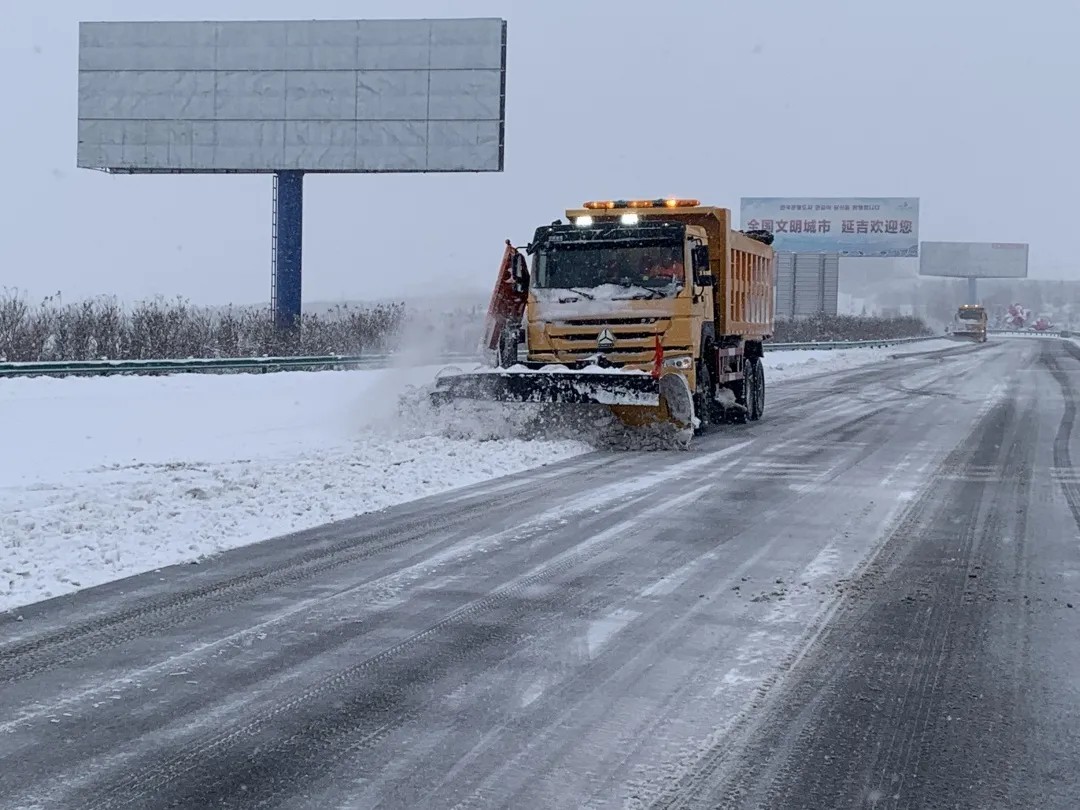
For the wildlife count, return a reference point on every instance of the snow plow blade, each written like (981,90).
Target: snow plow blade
(634,398)
(976,337)
(569,387)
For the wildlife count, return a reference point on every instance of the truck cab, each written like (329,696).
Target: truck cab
(971,322)
(655,308)
(605,293)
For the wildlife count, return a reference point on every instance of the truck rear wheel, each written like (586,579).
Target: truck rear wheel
(758,389)
(745,394)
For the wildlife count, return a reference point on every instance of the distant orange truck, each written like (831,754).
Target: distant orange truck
(971,322)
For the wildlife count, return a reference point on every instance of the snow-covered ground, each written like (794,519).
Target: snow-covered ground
(786,365)
(106,477)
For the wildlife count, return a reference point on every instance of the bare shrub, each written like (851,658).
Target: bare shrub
(171,329)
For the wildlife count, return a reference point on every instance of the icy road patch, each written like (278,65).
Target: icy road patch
(107,477)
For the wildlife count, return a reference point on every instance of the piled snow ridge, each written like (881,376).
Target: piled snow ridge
(796,363)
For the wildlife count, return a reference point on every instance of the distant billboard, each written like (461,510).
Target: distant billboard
(886,227)
(313,96)
(974,259)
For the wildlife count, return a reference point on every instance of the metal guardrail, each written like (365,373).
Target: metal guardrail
(196,365)
(63,368)
(1033,332)
(849,344)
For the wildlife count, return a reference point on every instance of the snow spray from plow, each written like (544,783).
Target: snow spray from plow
(636,399)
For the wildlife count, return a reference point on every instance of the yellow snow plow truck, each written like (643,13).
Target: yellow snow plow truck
(970,322)
(654,308)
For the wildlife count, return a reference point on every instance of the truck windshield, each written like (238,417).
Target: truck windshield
(658,270)
(969,315)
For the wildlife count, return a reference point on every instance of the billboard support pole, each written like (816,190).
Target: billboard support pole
(973,291)
(286,258)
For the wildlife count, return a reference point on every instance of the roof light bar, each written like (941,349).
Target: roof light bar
(660,202)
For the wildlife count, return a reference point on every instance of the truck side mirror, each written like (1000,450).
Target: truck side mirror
(699,261)
(519,271)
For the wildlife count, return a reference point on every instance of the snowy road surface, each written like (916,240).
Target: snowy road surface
(868,599)
(107,477)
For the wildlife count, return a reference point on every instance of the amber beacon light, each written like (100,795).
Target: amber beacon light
(663,202)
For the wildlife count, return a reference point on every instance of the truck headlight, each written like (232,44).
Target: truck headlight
(684,363)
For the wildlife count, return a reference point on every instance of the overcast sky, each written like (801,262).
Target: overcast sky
(971,106)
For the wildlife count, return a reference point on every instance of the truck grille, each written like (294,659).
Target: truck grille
(592,337)
(576,341)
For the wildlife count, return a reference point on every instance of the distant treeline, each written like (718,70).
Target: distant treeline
(849,327)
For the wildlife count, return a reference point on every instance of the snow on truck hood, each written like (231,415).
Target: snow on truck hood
(608,300)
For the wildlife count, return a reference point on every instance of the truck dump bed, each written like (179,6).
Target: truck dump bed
(747,287)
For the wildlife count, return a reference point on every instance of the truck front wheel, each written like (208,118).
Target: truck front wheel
(704,398)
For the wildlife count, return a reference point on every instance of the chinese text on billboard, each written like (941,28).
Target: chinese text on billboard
(849,226)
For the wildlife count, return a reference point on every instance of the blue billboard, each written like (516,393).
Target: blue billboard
(884,227)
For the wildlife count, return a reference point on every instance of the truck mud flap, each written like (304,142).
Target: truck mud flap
(555,387)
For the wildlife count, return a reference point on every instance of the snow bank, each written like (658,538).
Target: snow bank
(792,364)
(106,477)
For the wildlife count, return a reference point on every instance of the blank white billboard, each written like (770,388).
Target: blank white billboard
(315,96)
(974,259)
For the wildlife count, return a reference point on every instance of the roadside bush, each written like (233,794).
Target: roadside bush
(175,329)
(848,327)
